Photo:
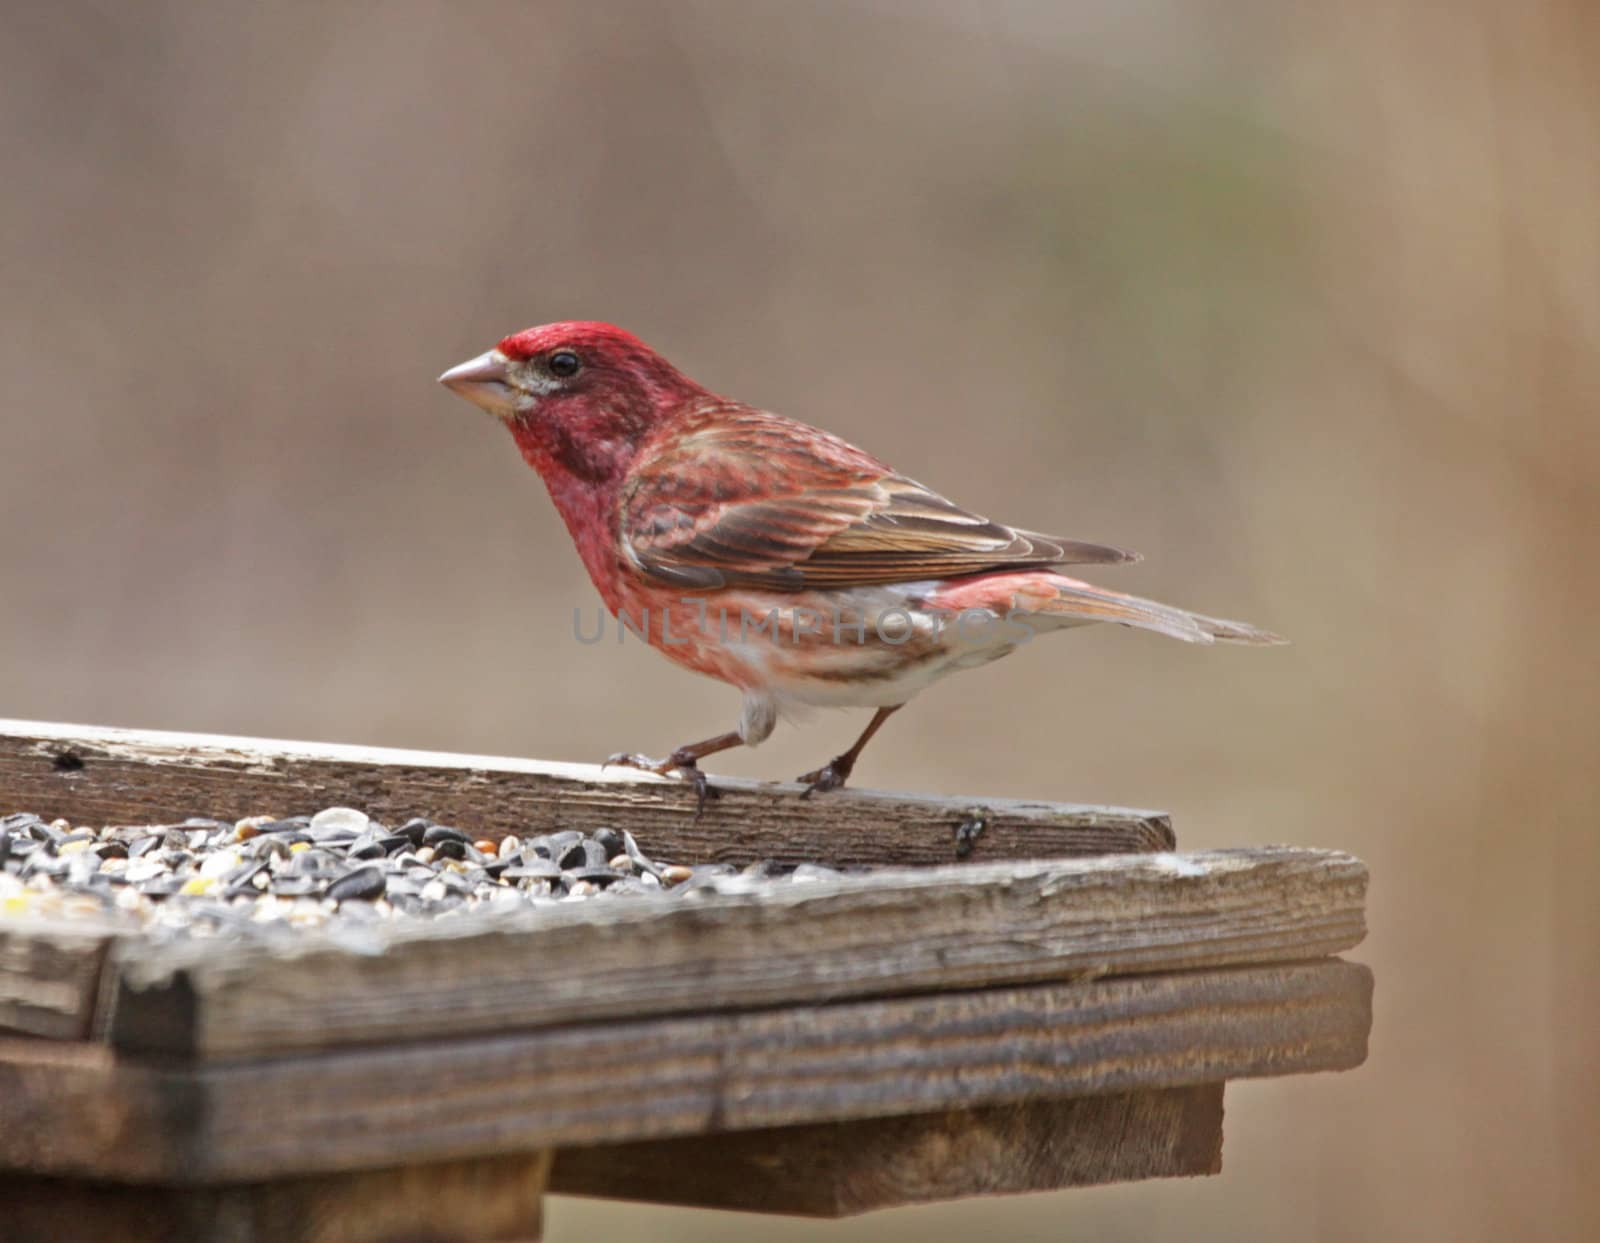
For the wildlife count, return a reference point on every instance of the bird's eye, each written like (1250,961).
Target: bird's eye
(564,363)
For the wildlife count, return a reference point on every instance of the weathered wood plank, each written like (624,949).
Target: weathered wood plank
(50,975)
(834,1169)
(478,1201)
(901,931)
(92,774)
(90,1115)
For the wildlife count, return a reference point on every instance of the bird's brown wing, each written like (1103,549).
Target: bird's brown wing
(739,497)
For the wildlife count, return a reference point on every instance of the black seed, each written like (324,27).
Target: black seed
(610,842)
(444,833)
(244,873)
(364,884)
(367,846)
(637,855)
(450,848)
(574,856)
(112,850)
(968,832)
(414,829)
(42,864)
(595,876)
(269,848)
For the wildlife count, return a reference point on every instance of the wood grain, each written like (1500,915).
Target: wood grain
(478,1201)
(898,931)
(50,975)
(97,775)
(91,1115)
(834,1169)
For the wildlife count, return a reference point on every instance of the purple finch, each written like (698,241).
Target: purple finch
(775,556)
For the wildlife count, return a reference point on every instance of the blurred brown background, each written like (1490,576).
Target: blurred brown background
(1301,300)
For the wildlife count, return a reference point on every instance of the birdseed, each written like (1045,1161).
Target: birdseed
(266,874)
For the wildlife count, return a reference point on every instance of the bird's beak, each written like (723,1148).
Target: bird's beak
(484,382)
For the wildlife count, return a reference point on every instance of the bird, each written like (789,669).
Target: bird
(773,555)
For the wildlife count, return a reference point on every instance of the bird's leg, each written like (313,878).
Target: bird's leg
(685,761)
(836,771)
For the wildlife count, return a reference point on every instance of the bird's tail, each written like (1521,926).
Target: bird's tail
(1078,603)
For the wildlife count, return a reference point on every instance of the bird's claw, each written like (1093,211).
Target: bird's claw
(632,759)
(676,764)
(830,776)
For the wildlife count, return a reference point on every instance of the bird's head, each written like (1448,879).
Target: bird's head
(581,395)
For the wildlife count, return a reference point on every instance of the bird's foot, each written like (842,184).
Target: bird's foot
(682,763)
(830,776)
(632,759)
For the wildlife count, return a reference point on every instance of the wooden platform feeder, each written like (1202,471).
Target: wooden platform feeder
(1016,997)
